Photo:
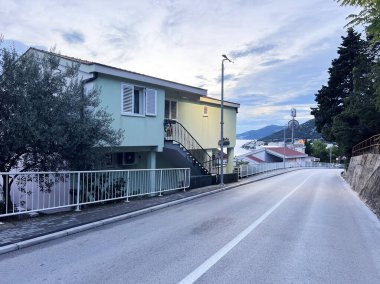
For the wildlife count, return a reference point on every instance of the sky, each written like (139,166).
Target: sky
(281,49)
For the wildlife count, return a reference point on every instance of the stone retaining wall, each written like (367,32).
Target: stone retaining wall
(363,175)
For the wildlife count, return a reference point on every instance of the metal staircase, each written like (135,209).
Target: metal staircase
(176,134)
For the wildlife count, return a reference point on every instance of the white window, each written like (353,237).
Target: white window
(170,109)
(137,100)
(205,110)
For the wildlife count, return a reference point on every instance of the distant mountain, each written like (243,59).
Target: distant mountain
(259,133)
(306,130)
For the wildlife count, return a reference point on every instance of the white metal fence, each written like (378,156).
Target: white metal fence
(247,170)
(39,191)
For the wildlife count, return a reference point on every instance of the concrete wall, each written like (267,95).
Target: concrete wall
(363,175)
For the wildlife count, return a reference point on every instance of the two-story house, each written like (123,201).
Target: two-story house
(167,124)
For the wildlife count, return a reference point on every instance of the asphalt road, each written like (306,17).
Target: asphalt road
(301,227)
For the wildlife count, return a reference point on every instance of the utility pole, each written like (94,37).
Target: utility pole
(283,158)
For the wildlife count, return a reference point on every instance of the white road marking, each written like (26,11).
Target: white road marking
(205,266)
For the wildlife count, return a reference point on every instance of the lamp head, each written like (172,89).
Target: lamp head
(226,58)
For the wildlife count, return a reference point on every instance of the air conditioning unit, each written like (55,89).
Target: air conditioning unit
(129,158)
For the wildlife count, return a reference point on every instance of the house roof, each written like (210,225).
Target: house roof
(218,102)
(281,151)
(253,158)
(119,72)
(252,152)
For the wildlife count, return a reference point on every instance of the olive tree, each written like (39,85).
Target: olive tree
(47,120)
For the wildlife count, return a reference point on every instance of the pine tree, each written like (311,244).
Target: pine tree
(369,17)
(331,98)
(360,118)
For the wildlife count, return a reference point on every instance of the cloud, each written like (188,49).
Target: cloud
(73,37)
(251,50)
(282,48)
(272,62)
(227,78)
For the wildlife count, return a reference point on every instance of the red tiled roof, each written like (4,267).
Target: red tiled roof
(286,151)
(255,159)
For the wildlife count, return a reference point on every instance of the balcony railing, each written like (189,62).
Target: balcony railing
(175,131)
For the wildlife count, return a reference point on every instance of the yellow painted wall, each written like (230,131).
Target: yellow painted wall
(206,129)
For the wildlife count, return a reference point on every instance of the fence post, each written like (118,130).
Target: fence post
(187,177)
(184,186)
(6,193)
(78,192)
(160,183)
(127,199)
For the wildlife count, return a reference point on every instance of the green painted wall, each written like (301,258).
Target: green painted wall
(148,130)
(139,131)
(206,129)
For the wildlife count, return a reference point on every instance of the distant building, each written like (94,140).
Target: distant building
(273,155)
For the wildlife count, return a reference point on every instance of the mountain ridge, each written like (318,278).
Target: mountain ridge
(306,130)
(259,133)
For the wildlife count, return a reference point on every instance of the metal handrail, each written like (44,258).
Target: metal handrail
(247,170)
(28,192)
(175,131)
(370,145)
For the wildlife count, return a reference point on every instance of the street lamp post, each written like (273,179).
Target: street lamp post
(222,121)
(283,149)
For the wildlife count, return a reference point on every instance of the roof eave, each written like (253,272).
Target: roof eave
(148,79)
(219,102)
(114,71)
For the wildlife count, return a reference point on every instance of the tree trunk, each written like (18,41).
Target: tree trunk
(7,200)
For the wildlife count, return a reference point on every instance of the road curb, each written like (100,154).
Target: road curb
(96,224)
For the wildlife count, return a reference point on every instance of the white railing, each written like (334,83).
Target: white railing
(40,191)
(247,170)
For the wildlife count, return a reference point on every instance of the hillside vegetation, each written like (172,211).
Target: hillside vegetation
(306,130)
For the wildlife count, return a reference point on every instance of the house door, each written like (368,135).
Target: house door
(171,109)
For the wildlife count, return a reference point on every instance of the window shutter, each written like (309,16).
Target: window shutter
(127,98)
(151,102)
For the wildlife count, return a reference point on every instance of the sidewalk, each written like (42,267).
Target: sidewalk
(22,231)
